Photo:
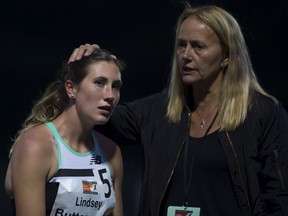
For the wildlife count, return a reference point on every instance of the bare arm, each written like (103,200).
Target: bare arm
(29,168)
(118,178)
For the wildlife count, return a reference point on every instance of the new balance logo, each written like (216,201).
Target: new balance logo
(95,159)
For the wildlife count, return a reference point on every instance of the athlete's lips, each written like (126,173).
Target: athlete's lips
(105,110)
(106,107)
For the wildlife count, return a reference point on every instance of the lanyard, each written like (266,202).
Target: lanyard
(187,181)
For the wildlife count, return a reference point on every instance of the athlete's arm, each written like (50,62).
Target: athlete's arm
(118,177)
(30,166)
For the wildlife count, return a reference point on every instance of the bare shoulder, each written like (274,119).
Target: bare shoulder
(35,150)
(32,159)
(36,140)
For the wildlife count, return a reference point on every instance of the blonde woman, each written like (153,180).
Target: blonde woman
(215,142)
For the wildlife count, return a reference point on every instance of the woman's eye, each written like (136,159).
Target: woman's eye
(117,87)
(181,45)
(197,47)
(99,83)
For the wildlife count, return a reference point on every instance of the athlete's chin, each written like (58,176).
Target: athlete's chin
(102,120)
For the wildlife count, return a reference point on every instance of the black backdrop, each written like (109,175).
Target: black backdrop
(37,35)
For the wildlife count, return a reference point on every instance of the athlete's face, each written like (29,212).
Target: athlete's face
(99,92)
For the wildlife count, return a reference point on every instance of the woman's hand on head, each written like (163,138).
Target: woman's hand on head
(83,50)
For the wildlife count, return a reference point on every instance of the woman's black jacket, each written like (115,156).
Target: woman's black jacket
(257,152)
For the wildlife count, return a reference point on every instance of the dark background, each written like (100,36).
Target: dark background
(36,36)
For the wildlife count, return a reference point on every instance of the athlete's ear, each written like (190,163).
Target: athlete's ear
(70,89)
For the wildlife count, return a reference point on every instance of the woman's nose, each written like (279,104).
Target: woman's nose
(187,53)
(109,95)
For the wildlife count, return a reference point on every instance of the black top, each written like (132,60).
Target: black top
(258,172)
(210,184)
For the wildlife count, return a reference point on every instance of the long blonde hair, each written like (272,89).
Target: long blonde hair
(239,81)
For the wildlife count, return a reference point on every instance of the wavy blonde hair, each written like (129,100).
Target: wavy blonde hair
(239,81)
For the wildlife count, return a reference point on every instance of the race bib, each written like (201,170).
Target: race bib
(183,211)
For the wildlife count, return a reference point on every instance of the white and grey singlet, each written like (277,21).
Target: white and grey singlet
(83,185)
